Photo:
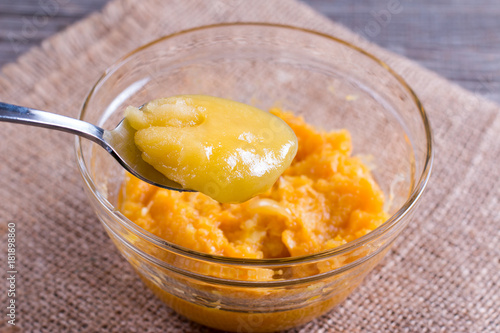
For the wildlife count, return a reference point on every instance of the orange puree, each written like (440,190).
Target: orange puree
(324,199)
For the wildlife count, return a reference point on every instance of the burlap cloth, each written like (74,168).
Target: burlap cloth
(443,274)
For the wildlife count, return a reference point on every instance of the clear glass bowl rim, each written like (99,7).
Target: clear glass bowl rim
(393,221)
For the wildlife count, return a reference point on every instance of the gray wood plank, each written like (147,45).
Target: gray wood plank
(459,39)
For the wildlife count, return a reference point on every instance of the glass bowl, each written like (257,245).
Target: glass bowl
(329,82)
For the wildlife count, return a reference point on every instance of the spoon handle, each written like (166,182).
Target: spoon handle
(27,116)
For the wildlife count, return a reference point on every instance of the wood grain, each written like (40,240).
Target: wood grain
(25,23)
(459,39)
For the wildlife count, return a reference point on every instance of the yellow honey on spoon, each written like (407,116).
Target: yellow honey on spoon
(227,150)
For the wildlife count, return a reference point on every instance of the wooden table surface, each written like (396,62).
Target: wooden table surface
(459,39)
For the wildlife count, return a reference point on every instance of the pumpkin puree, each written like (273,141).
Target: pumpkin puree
(326,198)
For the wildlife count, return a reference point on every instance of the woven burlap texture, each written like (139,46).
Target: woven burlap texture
(442,275)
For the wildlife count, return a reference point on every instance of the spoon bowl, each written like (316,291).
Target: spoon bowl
(118,142)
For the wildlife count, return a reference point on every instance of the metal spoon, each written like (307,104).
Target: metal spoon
(118,142)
